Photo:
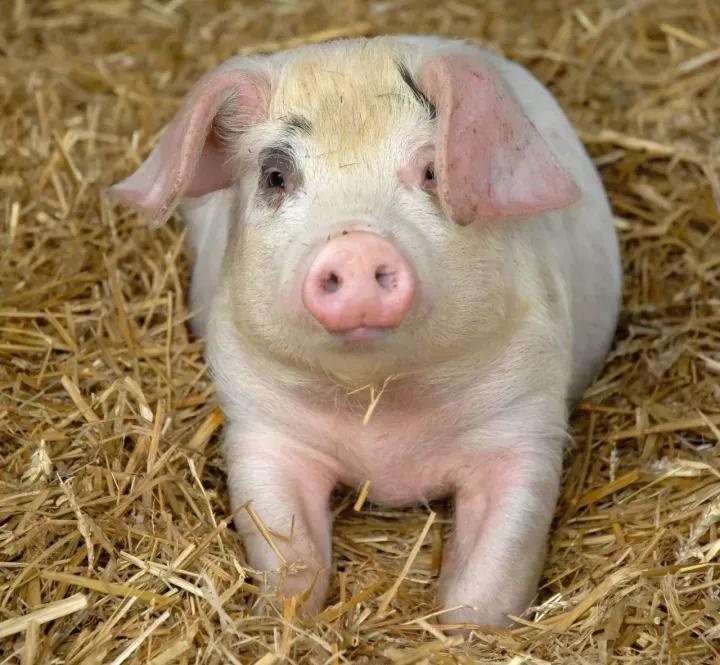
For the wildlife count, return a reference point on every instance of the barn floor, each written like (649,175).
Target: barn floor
(115,537)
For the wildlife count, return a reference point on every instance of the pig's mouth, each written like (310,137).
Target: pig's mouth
(363,334)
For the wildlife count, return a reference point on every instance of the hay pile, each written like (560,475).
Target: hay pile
(114,537)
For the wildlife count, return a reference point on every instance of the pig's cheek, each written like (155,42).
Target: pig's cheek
(294,268)
(290,291)
(423,301)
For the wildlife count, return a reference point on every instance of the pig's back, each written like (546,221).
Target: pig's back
(581,238)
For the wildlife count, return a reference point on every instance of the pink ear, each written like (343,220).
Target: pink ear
(188,160)
(492,163)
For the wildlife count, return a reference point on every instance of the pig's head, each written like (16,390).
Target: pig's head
(356,169)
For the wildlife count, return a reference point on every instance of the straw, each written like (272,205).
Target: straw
(112,485)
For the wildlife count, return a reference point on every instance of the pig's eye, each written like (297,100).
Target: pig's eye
(419,171)
(278,172)
(429,181)
(275,180)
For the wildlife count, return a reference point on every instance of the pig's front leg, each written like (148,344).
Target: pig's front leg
(288,490)
(503,509)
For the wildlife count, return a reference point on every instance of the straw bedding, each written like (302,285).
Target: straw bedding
(116,543)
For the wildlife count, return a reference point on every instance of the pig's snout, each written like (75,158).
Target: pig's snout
(357,283)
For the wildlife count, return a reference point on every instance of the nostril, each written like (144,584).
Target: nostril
(331,283)
(384,278)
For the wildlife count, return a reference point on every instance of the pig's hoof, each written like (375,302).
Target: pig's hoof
(309,593)
(308,590)
(463,620)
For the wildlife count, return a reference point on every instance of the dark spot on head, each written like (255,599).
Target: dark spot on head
(299,123)
(417,93)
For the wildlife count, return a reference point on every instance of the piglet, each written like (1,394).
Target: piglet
(407,212)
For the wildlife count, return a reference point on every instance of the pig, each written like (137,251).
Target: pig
(412,214)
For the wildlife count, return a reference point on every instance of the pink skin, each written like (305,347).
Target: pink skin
(504,500)
(484,430)
(358,284)
(188,159)
(291,497)
(518,174)
(502,506)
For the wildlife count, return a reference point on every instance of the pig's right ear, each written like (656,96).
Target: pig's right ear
(189,159)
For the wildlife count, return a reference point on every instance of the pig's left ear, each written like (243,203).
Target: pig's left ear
(189,159)
(491,161)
